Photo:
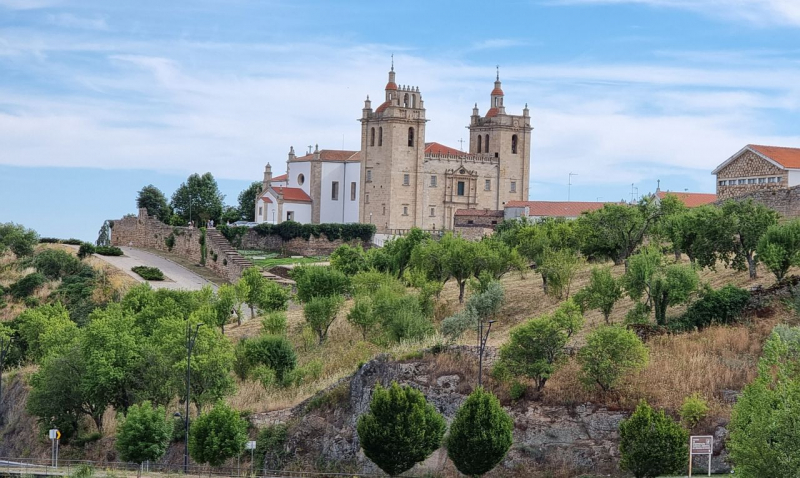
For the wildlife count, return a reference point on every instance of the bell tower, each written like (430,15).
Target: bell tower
(392,153)
(507,139)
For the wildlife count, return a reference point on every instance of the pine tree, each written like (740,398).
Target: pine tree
(480,434)
(651,443)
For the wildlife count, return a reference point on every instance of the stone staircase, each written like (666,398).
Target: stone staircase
(239,262)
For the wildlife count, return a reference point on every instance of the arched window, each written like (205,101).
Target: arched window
(411,136)
(480,143)
(380,136)
(372,137)
(514,144)
(497,101)
(413,101)
(405,101)
(486,143)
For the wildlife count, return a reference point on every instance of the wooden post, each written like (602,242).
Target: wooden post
(690,463)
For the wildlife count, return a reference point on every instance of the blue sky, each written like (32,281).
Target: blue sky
(98,98)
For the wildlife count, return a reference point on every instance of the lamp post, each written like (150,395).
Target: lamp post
(190,339)
(481,347)
(5,346)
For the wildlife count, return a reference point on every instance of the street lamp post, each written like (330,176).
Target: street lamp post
(481,347)
(5,346)
(190,339)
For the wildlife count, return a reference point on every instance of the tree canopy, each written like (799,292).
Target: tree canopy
(198,200)
(247,201)
(152,199)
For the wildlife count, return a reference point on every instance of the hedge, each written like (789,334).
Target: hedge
(54,240)
(108,251)
(291,230)
(148,273)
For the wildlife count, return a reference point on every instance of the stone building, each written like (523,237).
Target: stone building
(476,223)
(543,209)
(398,181)
(758,168)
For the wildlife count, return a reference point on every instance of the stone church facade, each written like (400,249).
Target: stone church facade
(404,182)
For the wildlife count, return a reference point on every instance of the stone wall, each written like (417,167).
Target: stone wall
(785,201)
(146,232)
(750,166)
(314,246)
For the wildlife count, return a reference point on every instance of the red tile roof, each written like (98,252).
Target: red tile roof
(786,157)
(690,199)
(282,177)
(384,105)
(479,212)
(492,112)
(497,92)
(391,85)
(332,155)
(438,148)
(556,208)
(293,194)
(266,200)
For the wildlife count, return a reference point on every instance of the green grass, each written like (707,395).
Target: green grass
(272,259)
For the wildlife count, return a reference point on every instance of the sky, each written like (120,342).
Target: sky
(99,98)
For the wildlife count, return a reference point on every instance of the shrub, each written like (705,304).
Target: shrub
(72,242)
(274,323)
(517,390)
(18,239)
(169,241)
(454,326)
(272,351)
(27,285)
(270,451)
(55,264)
(49,240)
(217,435)
(86,250)
(109,251)
(779,248)
(289,230)
(651,443)
(362,316)
(348,259)
(148,273)
(319,281)
(480,434)
(144,435)
(721,306)
(233,234)
(369,282)
(400,429)
(407,324)
(610,352)
(320,312)
(694,409)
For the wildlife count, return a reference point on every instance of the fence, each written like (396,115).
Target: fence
(68,468)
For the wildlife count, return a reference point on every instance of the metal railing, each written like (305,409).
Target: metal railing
(66,468)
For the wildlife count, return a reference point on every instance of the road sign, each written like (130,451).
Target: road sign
(701,445)
(54,434)
(251,445)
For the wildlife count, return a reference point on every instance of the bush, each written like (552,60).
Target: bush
(480,434)
(400,430)
(779,248)
(148,273)
(233,234)
(18,239)
(217,435)
(27,285)
(652,444)
(349,260)
(72,242)
(273,351)
(362,316)
(721,306)
(694,409)
(86,250)
(144,434)
(270,452)
(55,264)
(274,323)
(319,281)
(109,251)
(517,390)
(320,312)
(610,352)
(169,241)
(289,230)
(535,350)
(49,240)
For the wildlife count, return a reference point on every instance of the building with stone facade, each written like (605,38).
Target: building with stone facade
(758,168)
(398,181)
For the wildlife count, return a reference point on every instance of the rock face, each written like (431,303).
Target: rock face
(583,437)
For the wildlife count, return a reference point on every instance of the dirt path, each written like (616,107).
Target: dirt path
(178,276)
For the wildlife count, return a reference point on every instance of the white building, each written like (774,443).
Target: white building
(320,187)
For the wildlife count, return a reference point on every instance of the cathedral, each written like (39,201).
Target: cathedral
(398,180)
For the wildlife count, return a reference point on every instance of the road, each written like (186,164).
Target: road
(178,276)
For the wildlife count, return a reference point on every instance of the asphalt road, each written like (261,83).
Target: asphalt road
(178,277)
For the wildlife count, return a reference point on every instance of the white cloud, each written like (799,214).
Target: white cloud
(762,12)
(68,20)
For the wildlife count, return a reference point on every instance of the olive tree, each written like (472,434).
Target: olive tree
(610,352)
(779,248)
(602,292)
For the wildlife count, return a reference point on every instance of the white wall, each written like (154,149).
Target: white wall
(267,209)
(343,209)
(294,170)
(794,178)
(302,212)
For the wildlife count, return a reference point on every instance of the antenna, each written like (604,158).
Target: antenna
(569,185)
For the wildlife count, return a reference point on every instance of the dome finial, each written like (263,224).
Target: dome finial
(498,72)
(392,61)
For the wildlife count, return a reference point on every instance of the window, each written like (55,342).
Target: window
(433,212)
(770,180)
(259,211)
(406,179)
(722,183)
(486,143)
(513,186)
(366,198)
(779,179)
(488,185)
(405,101)
(290,215)
(470,221)
(460,188)
(742,181)
(762,180)
(411,137)
(751,181)
(369,175)
(380,136)
(300,179)
(480,143)
(384,209)
(372,137)
(433,181)
(335,190)
(352,191)
(405,210)
(514,144)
